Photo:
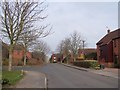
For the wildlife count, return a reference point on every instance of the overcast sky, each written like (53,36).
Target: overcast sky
(88,18)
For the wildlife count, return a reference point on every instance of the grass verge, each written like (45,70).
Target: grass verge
(11,77)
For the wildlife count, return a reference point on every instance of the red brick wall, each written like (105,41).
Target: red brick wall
(119,47)
(115,48)
(98,53)
(110,52)
(119,50)
(105,54)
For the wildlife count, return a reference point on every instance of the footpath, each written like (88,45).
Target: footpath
(32,79)
(109,72)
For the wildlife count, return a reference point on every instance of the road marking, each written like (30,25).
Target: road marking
(45,82)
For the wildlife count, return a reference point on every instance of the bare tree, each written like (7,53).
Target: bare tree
(16,17)
(71,45)
(64,48)
(60,47)
(75,43)
(29,38)
(41,48)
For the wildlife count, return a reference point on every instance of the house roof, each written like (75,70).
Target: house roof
(88,50)
(110,36)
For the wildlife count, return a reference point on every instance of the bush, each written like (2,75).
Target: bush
(5,81)
(5,62)
(87,63)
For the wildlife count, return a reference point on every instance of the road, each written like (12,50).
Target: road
(60,76)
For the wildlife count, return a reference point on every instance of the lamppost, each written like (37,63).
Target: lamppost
(83,44)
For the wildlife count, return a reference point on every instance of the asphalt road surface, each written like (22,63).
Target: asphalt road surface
(60,76)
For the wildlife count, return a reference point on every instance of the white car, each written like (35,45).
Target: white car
(54,61)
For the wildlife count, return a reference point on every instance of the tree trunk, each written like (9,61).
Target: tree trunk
(25,56)
(10,58)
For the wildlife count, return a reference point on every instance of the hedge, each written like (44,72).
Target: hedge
(86,63)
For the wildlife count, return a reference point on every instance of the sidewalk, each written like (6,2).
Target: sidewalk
(110,72)
(32,80)
(107,72)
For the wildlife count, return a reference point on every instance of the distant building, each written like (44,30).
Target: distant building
(108,49)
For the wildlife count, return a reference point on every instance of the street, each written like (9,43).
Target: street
(60,76)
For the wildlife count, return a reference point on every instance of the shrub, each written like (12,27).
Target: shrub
(87,63)
(5,81)
(5,62)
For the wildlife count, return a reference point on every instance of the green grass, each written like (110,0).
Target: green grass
(12,76)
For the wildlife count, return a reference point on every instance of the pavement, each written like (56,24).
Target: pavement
(109,72)
(32,79)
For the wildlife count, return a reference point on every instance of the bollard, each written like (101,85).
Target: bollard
(102,66)
(22,72)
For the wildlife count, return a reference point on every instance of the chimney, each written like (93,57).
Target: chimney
(108,31)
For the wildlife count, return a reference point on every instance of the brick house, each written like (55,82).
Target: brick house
(17,55)
(86,52)
(108,49)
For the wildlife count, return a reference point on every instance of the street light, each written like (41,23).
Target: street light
(83,44)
